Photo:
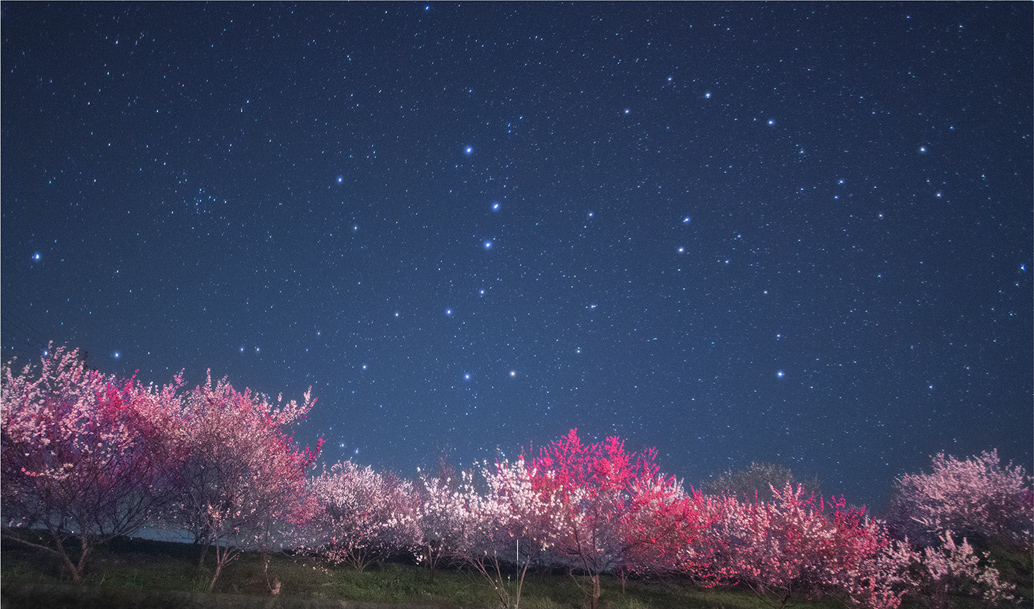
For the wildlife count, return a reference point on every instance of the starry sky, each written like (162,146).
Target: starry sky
(791,233)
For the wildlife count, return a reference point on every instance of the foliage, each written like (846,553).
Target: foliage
(755,482)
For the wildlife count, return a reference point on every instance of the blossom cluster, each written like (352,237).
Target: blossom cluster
(86,457)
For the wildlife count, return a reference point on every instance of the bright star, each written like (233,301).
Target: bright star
(35,256)
(468,149)
(495,207)
(116,355)
(780,374)
(340,179)
(488,245)
(448,311)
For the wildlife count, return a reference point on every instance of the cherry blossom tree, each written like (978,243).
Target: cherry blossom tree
(509,518)
(84,456)
(796,546)
(243,476)
(951,568)
(445,520)
(362,516)
(616,507)
(977,497)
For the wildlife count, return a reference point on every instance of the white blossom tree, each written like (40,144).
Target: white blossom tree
(361,515)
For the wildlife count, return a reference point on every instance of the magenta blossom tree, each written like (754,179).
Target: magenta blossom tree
(617,511)
(84,456)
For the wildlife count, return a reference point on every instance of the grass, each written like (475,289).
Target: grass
(135,564)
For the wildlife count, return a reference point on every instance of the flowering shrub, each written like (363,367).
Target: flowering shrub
(616,510)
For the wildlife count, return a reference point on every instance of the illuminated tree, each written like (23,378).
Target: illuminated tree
(799,547)
(977,497)
(84,456)
(243,477)
(616,509)
(362,516)
(951,568)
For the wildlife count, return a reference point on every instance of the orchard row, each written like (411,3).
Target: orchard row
(87,457)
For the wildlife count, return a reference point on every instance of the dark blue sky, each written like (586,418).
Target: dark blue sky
(793,233)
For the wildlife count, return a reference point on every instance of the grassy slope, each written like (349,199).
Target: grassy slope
(153,565)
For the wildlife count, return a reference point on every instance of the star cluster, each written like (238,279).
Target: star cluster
(788,233)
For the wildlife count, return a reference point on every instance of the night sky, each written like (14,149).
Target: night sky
(791,233)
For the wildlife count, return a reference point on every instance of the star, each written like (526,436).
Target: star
(468,150)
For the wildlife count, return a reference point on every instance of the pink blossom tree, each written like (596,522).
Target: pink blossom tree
(950,568)
(362,516)
(976,496)
(796,546)
(243,476)
(84,456)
